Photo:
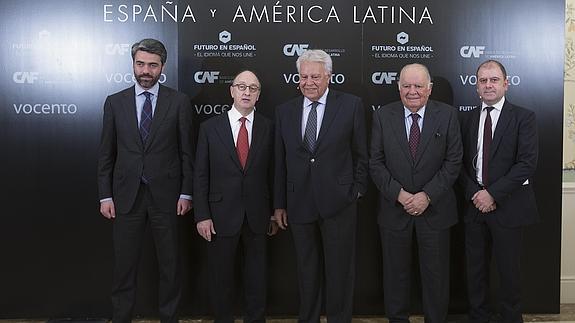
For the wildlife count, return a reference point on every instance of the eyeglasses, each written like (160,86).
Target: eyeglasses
(243,87)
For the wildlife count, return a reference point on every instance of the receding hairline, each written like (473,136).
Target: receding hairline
(247,71)
(416,66)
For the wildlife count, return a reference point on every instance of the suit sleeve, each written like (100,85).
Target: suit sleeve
(202,178)
(525,160)
(380,175)
(466,180)
(186,145)
(280,171)
(446,176)
(360,158)
(107,152)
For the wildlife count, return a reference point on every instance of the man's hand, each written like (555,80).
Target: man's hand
(206,229)
(483,201)
(107,209)
(403,197)
(280,216)
(184,206)
(417,204)
(273,227)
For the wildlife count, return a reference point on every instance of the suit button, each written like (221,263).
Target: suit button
(312,160)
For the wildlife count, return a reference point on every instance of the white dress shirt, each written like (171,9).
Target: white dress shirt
(234,117)
(409,120)
(495,113)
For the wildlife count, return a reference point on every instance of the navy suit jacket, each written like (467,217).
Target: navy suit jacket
(167,155)
(329,179)
(434,171)
(223,191)
(512,161)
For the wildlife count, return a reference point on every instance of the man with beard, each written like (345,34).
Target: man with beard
(145,176)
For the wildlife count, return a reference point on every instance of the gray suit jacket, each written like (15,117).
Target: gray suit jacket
(166,157)
(434,170)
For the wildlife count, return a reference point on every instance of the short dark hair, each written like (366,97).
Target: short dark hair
(151,46)
(492,61)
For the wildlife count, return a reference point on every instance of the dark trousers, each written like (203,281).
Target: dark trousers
(222,253)
(128,233)
(325,249)
(433,252)
(484,238)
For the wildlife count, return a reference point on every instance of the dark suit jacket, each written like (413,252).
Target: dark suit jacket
(434,171)
(332,176)
(513,159)
(167,156)
(223,191)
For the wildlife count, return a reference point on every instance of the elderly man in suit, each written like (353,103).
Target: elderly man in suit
(500,157)
(232,196)
(320,172)
(145,174)
(415,159)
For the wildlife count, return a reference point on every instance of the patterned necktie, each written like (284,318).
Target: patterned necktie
(310,134)
(414,135)
(242,145)
(146,117)
(487,137)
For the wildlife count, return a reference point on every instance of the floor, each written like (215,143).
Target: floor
(566,315)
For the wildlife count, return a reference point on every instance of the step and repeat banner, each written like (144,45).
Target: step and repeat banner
(60,59)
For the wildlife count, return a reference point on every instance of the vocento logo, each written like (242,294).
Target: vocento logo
(295,49)
(206,76)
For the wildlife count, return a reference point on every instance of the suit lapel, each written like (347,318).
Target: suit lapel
(332,106)
(163,105)
(296,113)
(257,135)
(474,126)
(130,115)
(398,124)
(429,130)
(502,124)
(224,131)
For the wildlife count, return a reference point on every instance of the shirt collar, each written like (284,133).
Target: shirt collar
(497,106)
(322,99)
(421,112)
(154,89)
(235,115)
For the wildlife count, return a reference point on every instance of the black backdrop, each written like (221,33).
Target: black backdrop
(61,58)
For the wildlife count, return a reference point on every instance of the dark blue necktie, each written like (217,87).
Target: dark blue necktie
(146,117)
(310,133)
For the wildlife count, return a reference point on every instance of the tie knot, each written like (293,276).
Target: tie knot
(414,117)
(243,119)
(489,109)
(314,104)
(147,94)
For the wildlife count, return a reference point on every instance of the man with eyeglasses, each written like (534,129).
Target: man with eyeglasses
(500,157)
(415,159)
(232,190)
(320,172)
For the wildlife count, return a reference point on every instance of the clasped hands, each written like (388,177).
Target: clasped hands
(413,204)
(483,201)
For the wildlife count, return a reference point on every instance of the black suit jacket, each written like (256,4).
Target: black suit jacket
(167,156)
(513,160)
(434,171)
(329,178)
(223,191)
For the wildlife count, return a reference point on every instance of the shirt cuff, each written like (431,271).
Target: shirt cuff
(186,197)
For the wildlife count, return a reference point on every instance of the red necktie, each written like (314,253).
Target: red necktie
(487,137)
(414,135)
(243,146)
